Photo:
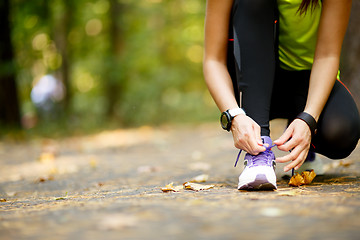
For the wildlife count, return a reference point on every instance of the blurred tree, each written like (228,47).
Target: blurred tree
(63,20)
(114,76)
(114,57)
(9,104)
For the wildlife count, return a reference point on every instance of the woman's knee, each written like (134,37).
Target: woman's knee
(341,130)
(339,124)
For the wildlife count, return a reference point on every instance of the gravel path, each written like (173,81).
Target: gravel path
(108,186)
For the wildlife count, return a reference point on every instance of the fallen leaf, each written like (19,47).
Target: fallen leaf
(196,186)
(171,188)
(308,176)
(305,178)
(296,180)
(168,188)
(2,200)
(200,178)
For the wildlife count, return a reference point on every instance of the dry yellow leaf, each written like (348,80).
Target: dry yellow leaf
(171,188)
(308,176)
(305,178)
(196,186)
(168,188)
(296,180)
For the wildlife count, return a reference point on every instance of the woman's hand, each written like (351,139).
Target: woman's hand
(297,139)
(246,134)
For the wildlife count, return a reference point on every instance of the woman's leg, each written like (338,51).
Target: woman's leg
(339,123)
(254,55)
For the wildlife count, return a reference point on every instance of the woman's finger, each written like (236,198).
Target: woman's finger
(289,157)
(284,137)
(296,164)
(289,145)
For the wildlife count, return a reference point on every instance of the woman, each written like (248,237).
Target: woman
(267,59)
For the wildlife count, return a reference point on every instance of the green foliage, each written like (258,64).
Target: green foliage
(143,63)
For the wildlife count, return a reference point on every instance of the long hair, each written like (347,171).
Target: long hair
(306,4)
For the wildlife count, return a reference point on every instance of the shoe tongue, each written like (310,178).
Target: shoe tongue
(266,140)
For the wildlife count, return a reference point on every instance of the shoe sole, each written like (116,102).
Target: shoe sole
(261,183)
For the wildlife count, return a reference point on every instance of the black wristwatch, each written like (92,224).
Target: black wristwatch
(227,117)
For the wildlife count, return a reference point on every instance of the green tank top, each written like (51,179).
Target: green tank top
(297,35)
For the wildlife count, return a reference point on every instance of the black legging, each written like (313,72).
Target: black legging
(270,92)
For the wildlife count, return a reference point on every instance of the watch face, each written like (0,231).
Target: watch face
(224,120)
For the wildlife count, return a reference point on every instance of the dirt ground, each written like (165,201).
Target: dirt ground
(108,186)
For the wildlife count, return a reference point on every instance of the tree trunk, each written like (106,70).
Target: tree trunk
(62,28)
(113,83)
(9,103)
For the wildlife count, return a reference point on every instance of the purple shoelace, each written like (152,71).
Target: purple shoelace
(261,158)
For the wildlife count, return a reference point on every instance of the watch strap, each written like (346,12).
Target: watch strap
(236,111)
(309,120)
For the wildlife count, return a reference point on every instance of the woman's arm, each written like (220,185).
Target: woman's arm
(332,29)
(246,132)
(333,23)
(216,38)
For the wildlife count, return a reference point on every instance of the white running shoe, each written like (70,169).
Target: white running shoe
(259,171)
